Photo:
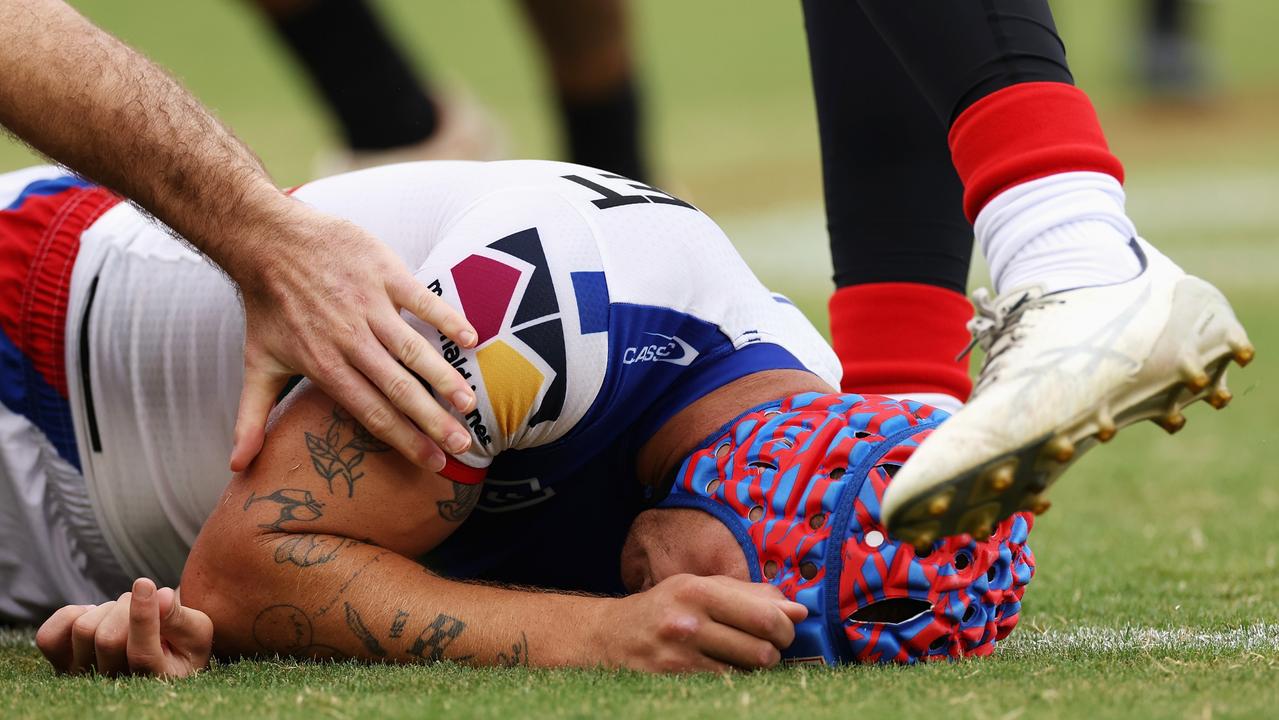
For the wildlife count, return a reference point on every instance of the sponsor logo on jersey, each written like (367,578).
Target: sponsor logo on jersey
(456,357)
(509,297)
(668,349)
(508,495)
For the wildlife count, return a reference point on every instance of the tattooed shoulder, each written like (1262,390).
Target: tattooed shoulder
(464,498)
(292,504)
(337,453)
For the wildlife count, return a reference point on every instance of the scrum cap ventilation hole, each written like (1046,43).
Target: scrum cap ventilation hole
(756,513)
(808,570)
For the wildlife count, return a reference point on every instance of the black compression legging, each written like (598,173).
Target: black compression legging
(889,77)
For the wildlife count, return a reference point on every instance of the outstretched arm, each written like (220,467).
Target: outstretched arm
(308,555)
(321,296)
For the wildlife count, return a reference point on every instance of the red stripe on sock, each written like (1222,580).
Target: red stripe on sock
(901,337)
(1023,133)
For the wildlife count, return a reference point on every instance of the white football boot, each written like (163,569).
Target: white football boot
(1063,372)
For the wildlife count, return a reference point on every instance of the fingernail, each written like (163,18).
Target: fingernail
(437,462)
(467,338)
(458,442)
(462,400)
(143,591)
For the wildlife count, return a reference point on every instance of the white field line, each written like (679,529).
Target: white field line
(787,245)
(1259,637)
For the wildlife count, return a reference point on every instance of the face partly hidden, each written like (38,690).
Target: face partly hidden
(790,494)
(671,541)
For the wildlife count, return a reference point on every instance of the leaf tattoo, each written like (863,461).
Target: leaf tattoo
(332,458)
(366,441)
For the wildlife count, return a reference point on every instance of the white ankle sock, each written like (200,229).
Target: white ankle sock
(1060,232)
(941,401)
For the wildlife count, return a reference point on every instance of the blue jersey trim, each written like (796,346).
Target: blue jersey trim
(24,391)
(48,186)
(734,365)
(591,289)
(642,391)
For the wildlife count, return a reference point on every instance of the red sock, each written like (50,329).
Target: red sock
(1023,133)
(900,338)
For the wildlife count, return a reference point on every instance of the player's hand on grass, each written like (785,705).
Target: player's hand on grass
(688,623)
(322,298)
(145,632)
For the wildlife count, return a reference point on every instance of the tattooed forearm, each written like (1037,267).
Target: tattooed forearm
(356,623)
(342,590)
(287,630)
(397,625)
(332,456)
(283,629)
(431,642)
(518,655)
(464,499)
(294,505)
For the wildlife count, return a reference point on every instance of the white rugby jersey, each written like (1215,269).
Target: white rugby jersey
(603,306)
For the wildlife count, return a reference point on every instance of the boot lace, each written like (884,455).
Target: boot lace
(996,330)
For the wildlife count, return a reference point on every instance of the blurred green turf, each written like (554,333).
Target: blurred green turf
(1150,531)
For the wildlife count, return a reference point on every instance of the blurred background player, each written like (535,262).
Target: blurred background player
(1173,65)
(390,112)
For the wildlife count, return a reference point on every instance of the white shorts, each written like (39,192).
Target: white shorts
(52,551)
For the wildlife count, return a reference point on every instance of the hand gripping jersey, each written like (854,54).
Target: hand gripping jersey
(799,482)
(603,306)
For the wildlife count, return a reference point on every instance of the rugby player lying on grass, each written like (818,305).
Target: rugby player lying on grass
(641,395)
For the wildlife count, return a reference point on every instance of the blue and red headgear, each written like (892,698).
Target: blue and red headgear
(799,483)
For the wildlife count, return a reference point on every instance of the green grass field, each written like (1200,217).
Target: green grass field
(1158,586)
